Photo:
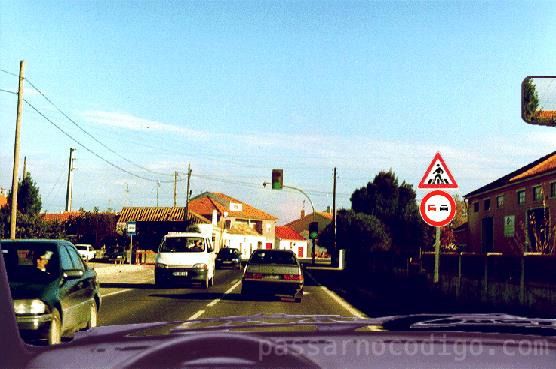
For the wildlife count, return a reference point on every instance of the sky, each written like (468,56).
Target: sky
(238,88)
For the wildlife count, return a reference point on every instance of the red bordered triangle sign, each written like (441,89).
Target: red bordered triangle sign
(438,175)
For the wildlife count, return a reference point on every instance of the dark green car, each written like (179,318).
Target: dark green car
(54,292)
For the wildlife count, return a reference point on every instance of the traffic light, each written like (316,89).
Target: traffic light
(277,179)
(313,230)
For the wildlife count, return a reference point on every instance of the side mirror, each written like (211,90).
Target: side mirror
(72,274)
(538,100)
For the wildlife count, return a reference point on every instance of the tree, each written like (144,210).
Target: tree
(92,227)
(28,197)
(530,100)
(396,207)
(359,233)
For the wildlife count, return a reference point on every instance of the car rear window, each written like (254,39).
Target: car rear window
(227,251)
(21,261)
(182,244)
(273,257)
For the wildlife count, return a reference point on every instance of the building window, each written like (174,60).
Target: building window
(553,189)
(521,197)
(487,204)
(537,193)
(476,207)
(500,201)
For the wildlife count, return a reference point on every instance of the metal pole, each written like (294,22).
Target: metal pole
(187,193)
(175,188)
(15,183)
(437,255)
(131,249)
(334,246)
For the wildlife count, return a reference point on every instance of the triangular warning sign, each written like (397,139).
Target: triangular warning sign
(438,175)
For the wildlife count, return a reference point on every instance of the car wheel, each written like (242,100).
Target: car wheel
(93,316)
(55,331)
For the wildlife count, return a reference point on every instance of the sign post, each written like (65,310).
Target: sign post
(131,231)
(438,207)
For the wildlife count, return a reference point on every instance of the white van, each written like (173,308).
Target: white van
(185,257)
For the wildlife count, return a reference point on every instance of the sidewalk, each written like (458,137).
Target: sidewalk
(123,273)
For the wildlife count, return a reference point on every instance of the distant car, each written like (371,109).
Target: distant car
(277,272)
(228,257)
(54,292)
(86,251)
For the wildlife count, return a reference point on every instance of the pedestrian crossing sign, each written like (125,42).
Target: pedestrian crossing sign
(437,175)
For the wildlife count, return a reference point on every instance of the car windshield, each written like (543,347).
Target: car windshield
(182,244)
(31,262)
(273,257)
(224,159)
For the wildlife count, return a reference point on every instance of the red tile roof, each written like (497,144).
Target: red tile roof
(157,214)
(205,206)
(547,114)
(540,166)
(287,233)
(3,201)
(61,217)
(221,203)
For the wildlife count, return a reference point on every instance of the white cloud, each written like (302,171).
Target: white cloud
(131,122)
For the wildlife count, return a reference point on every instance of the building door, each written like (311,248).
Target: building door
(487,235)
(269,245)
(537,228)
(300,252)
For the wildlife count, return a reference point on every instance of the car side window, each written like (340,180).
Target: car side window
(75,258)
(65,259)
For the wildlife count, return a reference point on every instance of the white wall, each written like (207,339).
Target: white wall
(245,243)
(294,246)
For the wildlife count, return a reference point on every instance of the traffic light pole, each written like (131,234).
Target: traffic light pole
(312,207)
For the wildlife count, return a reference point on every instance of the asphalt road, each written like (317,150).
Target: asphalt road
(125,303)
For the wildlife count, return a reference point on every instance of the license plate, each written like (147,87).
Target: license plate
(274,277)
(180,274)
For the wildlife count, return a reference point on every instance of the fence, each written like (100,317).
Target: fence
(527,282)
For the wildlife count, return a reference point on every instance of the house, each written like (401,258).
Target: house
(61,216)
(240,225)
(301,226)
(288,239)
(152,223)
(515,212)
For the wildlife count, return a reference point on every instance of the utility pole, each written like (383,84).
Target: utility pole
(157,188)
(13,218)
(69,188)
(126,194)
(175,188)
(24,168)
(187,193)
(334,246)
(436,255)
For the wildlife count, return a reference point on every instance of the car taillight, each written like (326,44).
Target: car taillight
(249,275)
(292,277)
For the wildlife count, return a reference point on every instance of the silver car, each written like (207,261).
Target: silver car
(274,272)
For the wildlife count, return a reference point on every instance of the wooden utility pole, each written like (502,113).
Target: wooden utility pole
(13,218)
(175,188)
(187,193)
(24,168)
(334,246)
(69,189)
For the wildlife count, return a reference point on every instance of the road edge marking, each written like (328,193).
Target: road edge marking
(115,293)
(343,303)
(196,315)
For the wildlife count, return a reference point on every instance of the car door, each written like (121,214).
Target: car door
(68,292)
(84,293)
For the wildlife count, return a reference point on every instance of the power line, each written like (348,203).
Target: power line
(88,149)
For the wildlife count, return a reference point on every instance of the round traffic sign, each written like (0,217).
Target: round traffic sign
(438,208)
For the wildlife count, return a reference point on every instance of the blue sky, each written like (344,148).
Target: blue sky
(237,88)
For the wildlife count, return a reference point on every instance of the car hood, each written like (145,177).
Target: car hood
(482,323)
(26,290)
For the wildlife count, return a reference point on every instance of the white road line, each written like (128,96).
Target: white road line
(213,302)
(196,315)
(233,287)
(353,311)
(115,292)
